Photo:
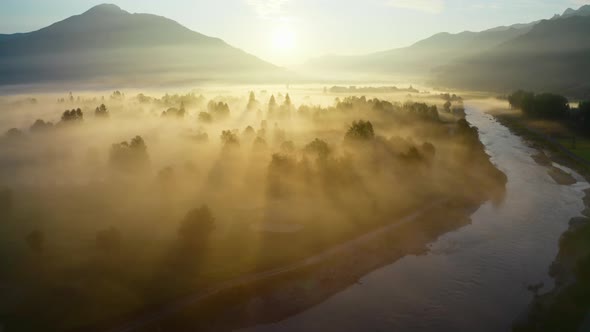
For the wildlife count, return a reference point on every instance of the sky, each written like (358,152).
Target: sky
(288,32)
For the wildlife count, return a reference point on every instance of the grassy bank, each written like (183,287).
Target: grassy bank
(565,144)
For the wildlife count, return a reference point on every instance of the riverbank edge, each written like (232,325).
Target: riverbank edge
(282,296)
(563,268)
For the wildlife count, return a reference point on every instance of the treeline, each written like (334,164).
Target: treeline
(551,106)
(544,105)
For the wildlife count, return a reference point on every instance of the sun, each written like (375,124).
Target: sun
(284,39)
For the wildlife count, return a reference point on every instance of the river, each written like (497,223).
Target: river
(472,279)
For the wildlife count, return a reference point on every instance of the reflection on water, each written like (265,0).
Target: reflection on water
(473,279)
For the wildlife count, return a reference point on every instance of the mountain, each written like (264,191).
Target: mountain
(554,56)
(420,58)
(548,55)
(582,11)
(107,43)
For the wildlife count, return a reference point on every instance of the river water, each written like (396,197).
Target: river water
(472,279)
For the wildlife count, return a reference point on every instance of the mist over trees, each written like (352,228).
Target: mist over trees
(71,116)
(40,126)
(128,201)
(14,134)
(101,111)
(218,110)
(312,170)
(196,227)
(253,104)
(360,131)
(130,156)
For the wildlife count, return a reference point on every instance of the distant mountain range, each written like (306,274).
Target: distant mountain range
(548,55)
(108,44)
(554,56)
(423,56)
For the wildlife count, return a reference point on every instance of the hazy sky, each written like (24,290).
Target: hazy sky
(288,32)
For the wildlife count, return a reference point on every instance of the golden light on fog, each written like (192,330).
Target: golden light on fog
(284,38)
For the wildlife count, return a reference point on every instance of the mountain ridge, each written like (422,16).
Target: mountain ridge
(552,57)
(421,57)
(106,41)
(497,59)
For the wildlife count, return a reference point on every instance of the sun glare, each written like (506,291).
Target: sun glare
(284,39)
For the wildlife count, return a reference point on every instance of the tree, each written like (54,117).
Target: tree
(14,133)
(318,147)
(228,138)
(36,241)
(467,132)
(173,113)
(249,133)
(117,95)
(285,109)
(41,126)
(552,106)
(101,112)
(280,169)
(447,107)
(252,103)
(521,99)
(422,111)
(72,116)
(272,105)
(259,144)
(219,110)
(130,156)
(544,105)
(196,226)
(360,131)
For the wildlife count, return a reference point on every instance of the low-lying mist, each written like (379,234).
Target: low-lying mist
(112,203)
